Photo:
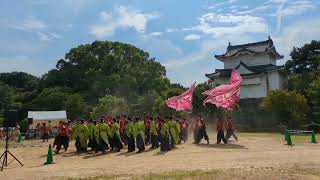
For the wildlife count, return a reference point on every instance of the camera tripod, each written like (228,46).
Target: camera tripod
(4,156)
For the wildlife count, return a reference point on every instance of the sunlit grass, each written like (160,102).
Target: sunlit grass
(256,174)
(301,138)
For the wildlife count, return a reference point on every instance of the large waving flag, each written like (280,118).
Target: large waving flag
(226,96)
(183,101)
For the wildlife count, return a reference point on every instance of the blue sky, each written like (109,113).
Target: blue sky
(182,35)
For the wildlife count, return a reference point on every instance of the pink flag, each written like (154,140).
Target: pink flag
(183,101)
(226,96)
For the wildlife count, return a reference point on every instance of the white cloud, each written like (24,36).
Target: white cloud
(191,67)
(290,8)
(156,34)
(296,35)
(169,30)
(25,64)
(156,44)
(216,5)
(232,1)
(76,5)
(191,37)
(34,25)
(48,36)
(29,25)
(223,24)
(297,7)
(121,17)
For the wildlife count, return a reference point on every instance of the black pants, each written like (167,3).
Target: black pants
(220,136)
(117,144)
(147,139)
(102,146)
(230,132)
(92,143)
(154,141)
(45,137)
(165,143)
(140,143)
(172,141)
(184,135)
(202,133)
(124,138)
(112,143)
(62,141)
(195,134)
(131,144)
(78,145)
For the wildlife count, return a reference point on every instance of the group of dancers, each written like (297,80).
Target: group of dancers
(116,133)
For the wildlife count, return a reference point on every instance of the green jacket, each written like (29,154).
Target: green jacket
(174,129)
(154,128)
(92,129)
(140,128)
(103,131)
(82,132)
(130,129)
(164,131)
(115,130)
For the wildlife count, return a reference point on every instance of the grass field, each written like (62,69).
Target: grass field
(254,156)
(302,138)
(266,173)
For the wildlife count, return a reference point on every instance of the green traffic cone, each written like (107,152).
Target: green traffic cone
(49,156)
(313,137)
(288,138)
(19,138)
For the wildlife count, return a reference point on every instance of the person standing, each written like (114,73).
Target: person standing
(202,130)
(50,128)
(81,135)
(147,123)
(115,134)
(184,125)
(62,139)
(220,131)
(131,134)
(140,135)
(196,126)
(101,136)
(45,132)
(154,135)
(92,129)
(165,136)
(230,130)
(174,131)
(123,122)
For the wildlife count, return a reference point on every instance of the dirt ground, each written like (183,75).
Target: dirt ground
(249,153)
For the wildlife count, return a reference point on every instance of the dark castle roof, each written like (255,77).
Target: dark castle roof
(261,47)
(226,73)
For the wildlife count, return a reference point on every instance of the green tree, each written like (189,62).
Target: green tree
(198,98)
(76,107)
(108,68)
(50,99)
(7,97)
(314,99)
(110,105)
(160,107)
(304,59)
(289,106)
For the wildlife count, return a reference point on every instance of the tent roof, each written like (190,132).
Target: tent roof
(47,115)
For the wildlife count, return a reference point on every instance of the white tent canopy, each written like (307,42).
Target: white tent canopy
(46,116)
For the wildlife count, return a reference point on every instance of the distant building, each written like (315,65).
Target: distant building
(39,117)
(256,62)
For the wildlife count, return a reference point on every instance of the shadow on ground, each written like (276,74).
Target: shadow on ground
(222,146)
